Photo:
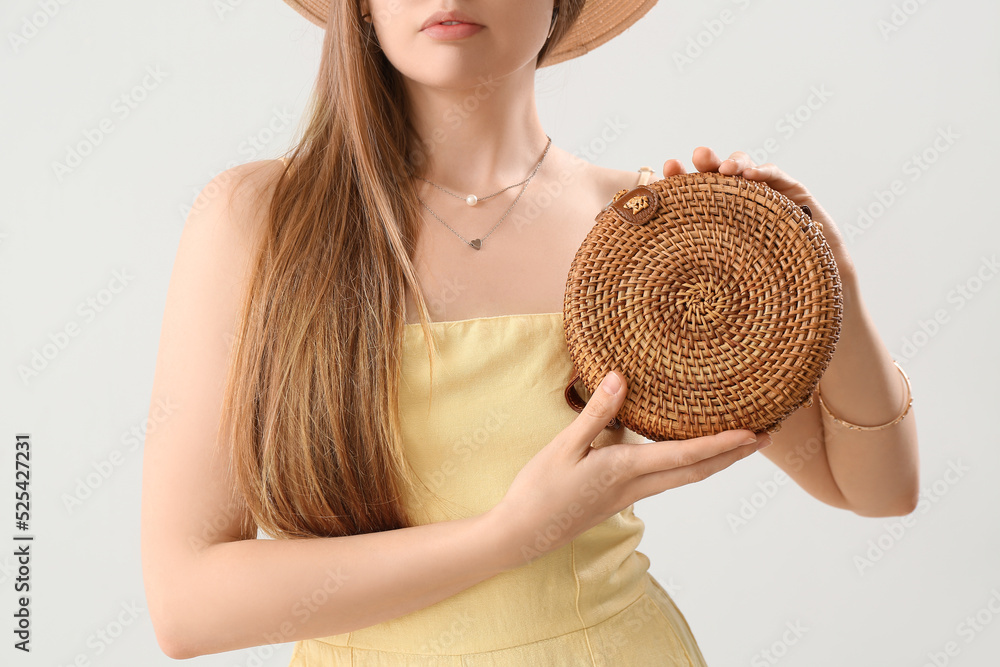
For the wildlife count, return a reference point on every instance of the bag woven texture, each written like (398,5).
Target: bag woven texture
(716,297)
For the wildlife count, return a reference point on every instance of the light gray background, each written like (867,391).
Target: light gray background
(235,69)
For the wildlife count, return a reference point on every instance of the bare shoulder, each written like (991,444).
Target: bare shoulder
(604,182)
(613,180)
(219,243)
(232,207)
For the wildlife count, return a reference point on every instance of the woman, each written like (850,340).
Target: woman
(366,345)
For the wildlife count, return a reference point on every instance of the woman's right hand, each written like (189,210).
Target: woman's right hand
(568,487)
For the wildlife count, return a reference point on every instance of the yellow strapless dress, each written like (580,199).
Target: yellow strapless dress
(497,399)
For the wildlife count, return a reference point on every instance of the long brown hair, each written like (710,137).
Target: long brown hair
(310,412)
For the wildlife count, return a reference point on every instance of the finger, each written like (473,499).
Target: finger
(705,159)
(652,483)
(777,179)
(600,409)
(650,457)
(737,163)
(673,167)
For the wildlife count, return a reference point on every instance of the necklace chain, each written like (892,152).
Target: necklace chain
(472,199)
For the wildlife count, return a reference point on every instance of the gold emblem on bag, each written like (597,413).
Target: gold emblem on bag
(637,203)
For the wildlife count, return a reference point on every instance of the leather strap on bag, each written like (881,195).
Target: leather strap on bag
(577,403)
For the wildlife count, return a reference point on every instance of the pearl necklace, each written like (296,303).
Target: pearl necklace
(471,200)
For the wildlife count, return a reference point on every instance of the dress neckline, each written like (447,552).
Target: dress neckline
(491,319)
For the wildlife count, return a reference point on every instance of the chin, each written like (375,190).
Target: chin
(458,67)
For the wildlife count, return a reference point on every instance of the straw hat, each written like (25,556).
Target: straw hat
(599,21)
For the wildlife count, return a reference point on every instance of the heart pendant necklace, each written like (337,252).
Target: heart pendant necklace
(471,200)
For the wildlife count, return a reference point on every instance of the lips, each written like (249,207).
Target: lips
(451,31)
(443,17)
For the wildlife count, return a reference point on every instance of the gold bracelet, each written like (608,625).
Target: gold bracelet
(909,402)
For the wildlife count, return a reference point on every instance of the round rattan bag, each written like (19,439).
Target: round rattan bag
(718,299)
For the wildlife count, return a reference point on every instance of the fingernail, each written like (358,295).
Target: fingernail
(611,383)
(752,438)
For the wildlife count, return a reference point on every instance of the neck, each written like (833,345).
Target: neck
(478,137)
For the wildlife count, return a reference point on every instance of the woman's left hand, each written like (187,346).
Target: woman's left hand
(740,164)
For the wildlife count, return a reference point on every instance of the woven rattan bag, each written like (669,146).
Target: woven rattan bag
(718,299)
